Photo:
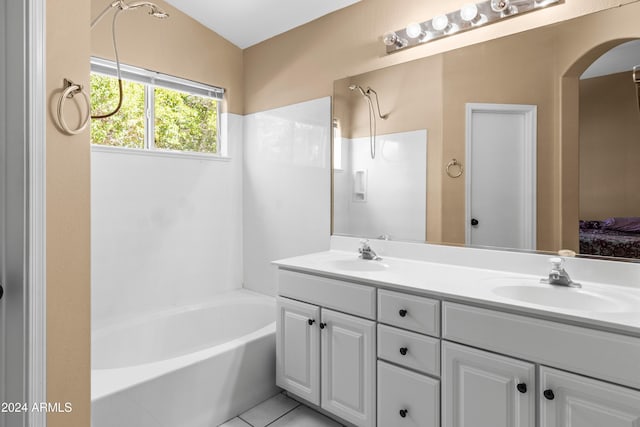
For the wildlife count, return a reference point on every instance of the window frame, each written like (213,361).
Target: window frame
(152,80)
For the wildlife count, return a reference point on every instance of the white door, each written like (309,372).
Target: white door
(481,389)
(568,400)
(501,175)
(349,367)
(298,349)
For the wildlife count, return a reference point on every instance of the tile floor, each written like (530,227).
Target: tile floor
(280,411)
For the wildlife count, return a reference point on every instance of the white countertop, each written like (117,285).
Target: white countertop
(478,286)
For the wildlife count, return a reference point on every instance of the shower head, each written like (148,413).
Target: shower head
(354,87)
(154,9)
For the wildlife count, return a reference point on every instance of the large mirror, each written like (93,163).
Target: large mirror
(529,142)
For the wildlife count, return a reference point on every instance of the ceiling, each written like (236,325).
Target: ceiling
(248,22)
(617,60)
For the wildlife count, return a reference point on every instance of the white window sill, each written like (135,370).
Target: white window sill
(159,153)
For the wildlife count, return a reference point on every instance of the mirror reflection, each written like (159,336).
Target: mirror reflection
(528,147)
(610,154)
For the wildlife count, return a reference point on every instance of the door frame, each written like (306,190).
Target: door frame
(25,116)
(529,167)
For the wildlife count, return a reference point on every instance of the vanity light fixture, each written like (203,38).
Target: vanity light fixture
(471,15)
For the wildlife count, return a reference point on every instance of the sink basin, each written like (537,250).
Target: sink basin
(358,265)
(561,297)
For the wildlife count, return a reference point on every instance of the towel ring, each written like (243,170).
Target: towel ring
(71,89)
(453,163)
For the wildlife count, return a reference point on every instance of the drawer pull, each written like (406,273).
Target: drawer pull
(311,321)
(522,387)
(322,325)
(403,351)
(548,394)
(402,313)
(403,413)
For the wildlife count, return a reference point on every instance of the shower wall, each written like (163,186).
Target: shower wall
(166,229)
(287,187)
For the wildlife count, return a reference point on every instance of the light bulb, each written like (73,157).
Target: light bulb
(390,38)
(503,7)
(414,30)
(469,12)
(499,5)
(440,22)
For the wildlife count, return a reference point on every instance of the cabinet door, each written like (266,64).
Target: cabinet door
(298,349)
(482,389)
(348,367)
(569,400)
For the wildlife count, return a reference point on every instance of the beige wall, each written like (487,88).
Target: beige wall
(179,46)
(609,149)
(68,231)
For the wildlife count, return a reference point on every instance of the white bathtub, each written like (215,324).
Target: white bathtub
(195,366)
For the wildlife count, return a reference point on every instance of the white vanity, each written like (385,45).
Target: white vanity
(402,342)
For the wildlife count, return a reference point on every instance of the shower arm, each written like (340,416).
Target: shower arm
(386,116)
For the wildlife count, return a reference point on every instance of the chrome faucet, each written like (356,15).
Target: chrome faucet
(366,252)
(558,276)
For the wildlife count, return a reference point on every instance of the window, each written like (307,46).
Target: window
(159,112)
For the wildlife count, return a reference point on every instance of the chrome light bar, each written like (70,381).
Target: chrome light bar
(470,16)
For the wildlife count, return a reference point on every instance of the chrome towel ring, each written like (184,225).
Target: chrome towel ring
(452,164)
(70,90)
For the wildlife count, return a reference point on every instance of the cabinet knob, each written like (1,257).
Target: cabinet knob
(1,291)
(311,321)
(402,312)
(522,387)
(403,351)
(403,413)
(548,394)
(322,325)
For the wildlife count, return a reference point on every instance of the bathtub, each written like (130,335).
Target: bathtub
(195,366)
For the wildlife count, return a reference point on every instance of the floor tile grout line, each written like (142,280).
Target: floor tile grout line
(290,410)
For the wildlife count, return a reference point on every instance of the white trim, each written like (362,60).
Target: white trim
(37,121)
(529,166)
(158,153)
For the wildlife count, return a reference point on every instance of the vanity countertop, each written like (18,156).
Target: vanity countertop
(609,307)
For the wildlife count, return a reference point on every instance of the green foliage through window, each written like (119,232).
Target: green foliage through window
(185,122)
(126,128)
(182,121)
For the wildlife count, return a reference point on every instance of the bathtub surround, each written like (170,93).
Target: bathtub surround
(287,189)
(166,228)
(390,199)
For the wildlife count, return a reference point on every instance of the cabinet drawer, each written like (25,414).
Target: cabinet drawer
(577,349)
(417,396)
(411,312)
(359,300)
(409,349)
